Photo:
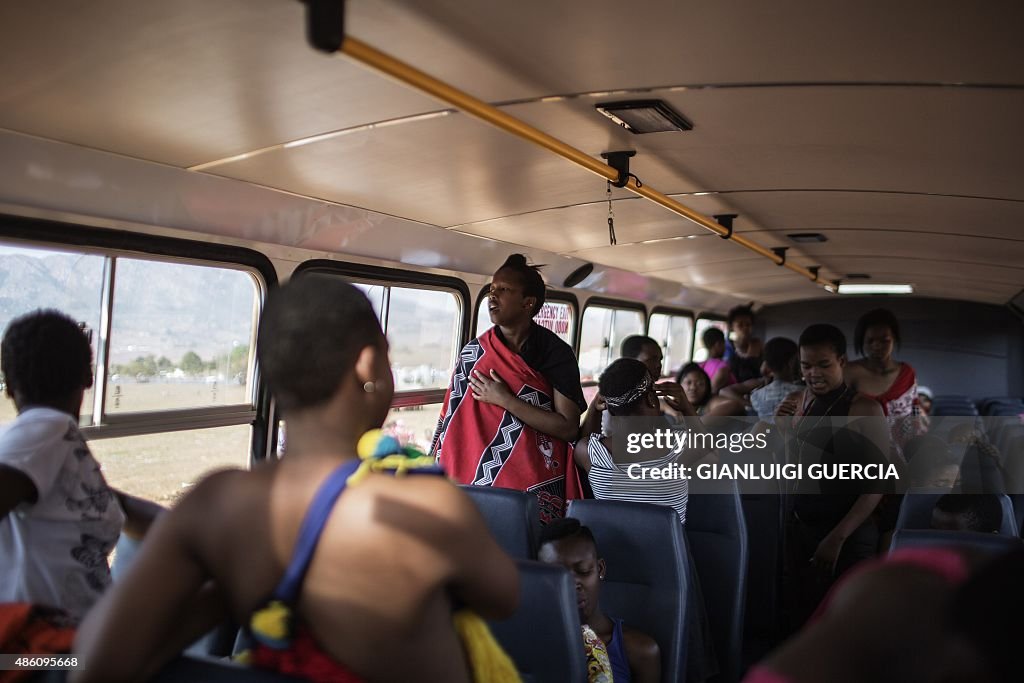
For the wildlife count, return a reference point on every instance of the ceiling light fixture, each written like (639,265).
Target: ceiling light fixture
(645,116)
(875,289)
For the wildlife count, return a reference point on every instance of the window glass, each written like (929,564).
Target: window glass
(700,354)
(34,278)
(414,425)
(595,340)
(601,337)
(625,323)
(163,467)
(423,331)
(180,336)
(675,334)
(557,316)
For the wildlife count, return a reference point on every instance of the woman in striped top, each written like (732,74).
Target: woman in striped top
(627,390)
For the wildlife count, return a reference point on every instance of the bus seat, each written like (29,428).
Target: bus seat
(512,516)
(980,473)
(543,637)
(764,518)
(647,580)
(1001,405)
(919,538)
(717,535)
(916,511)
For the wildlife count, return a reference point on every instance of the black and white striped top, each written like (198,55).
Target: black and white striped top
(610,481)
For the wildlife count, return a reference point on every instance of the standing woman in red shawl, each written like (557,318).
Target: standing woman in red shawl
(513,406)
(881,377)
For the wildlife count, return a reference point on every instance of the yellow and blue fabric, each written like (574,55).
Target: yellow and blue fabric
(284,645)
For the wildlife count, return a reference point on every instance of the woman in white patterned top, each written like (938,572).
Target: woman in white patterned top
(627,390)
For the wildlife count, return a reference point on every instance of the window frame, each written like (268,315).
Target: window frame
(113,244)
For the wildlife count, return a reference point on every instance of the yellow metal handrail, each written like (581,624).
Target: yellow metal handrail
(409,75)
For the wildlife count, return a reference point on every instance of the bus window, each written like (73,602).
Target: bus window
(181,336)
(700,354)
(163,467)
(601,335)
(556,316)
(39,278)
(414,425)
(422,326)
(675,334)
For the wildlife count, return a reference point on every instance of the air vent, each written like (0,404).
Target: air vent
(807,237)
(645,116)
(857,276)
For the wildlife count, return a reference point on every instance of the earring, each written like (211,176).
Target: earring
(370,387)
(601,576)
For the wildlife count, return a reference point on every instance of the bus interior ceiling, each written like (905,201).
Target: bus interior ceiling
(891,131)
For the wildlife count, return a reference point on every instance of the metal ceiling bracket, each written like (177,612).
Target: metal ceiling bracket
(725,220)
(781,253)
(325,24)
(620,162)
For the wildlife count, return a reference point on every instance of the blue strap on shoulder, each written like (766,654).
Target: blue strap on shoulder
(309,534)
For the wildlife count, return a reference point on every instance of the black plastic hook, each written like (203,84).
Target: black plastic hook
(814,271)
(725,220)
(325,24)
(781,253)
(620,162)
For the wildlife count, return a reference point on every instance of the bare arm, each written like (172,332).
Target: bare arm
(591,425)
(134,629)
(562,423)
(139,513)
(675,398)
(644,657)
(15,488)
(720,379)
(874,428)
(741,391)
(827,553)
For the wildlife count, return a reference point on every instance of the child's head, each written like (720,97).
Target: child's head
(781,356)
(46,359)
(319,335)
(714,342)
(572,545)
(696,384)
(979,512)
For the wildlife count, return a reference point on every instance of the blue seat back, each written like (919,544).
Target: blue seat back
(717,534)
(923,538)
(543,637)
(647,580)
(916,511)
(512,516)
